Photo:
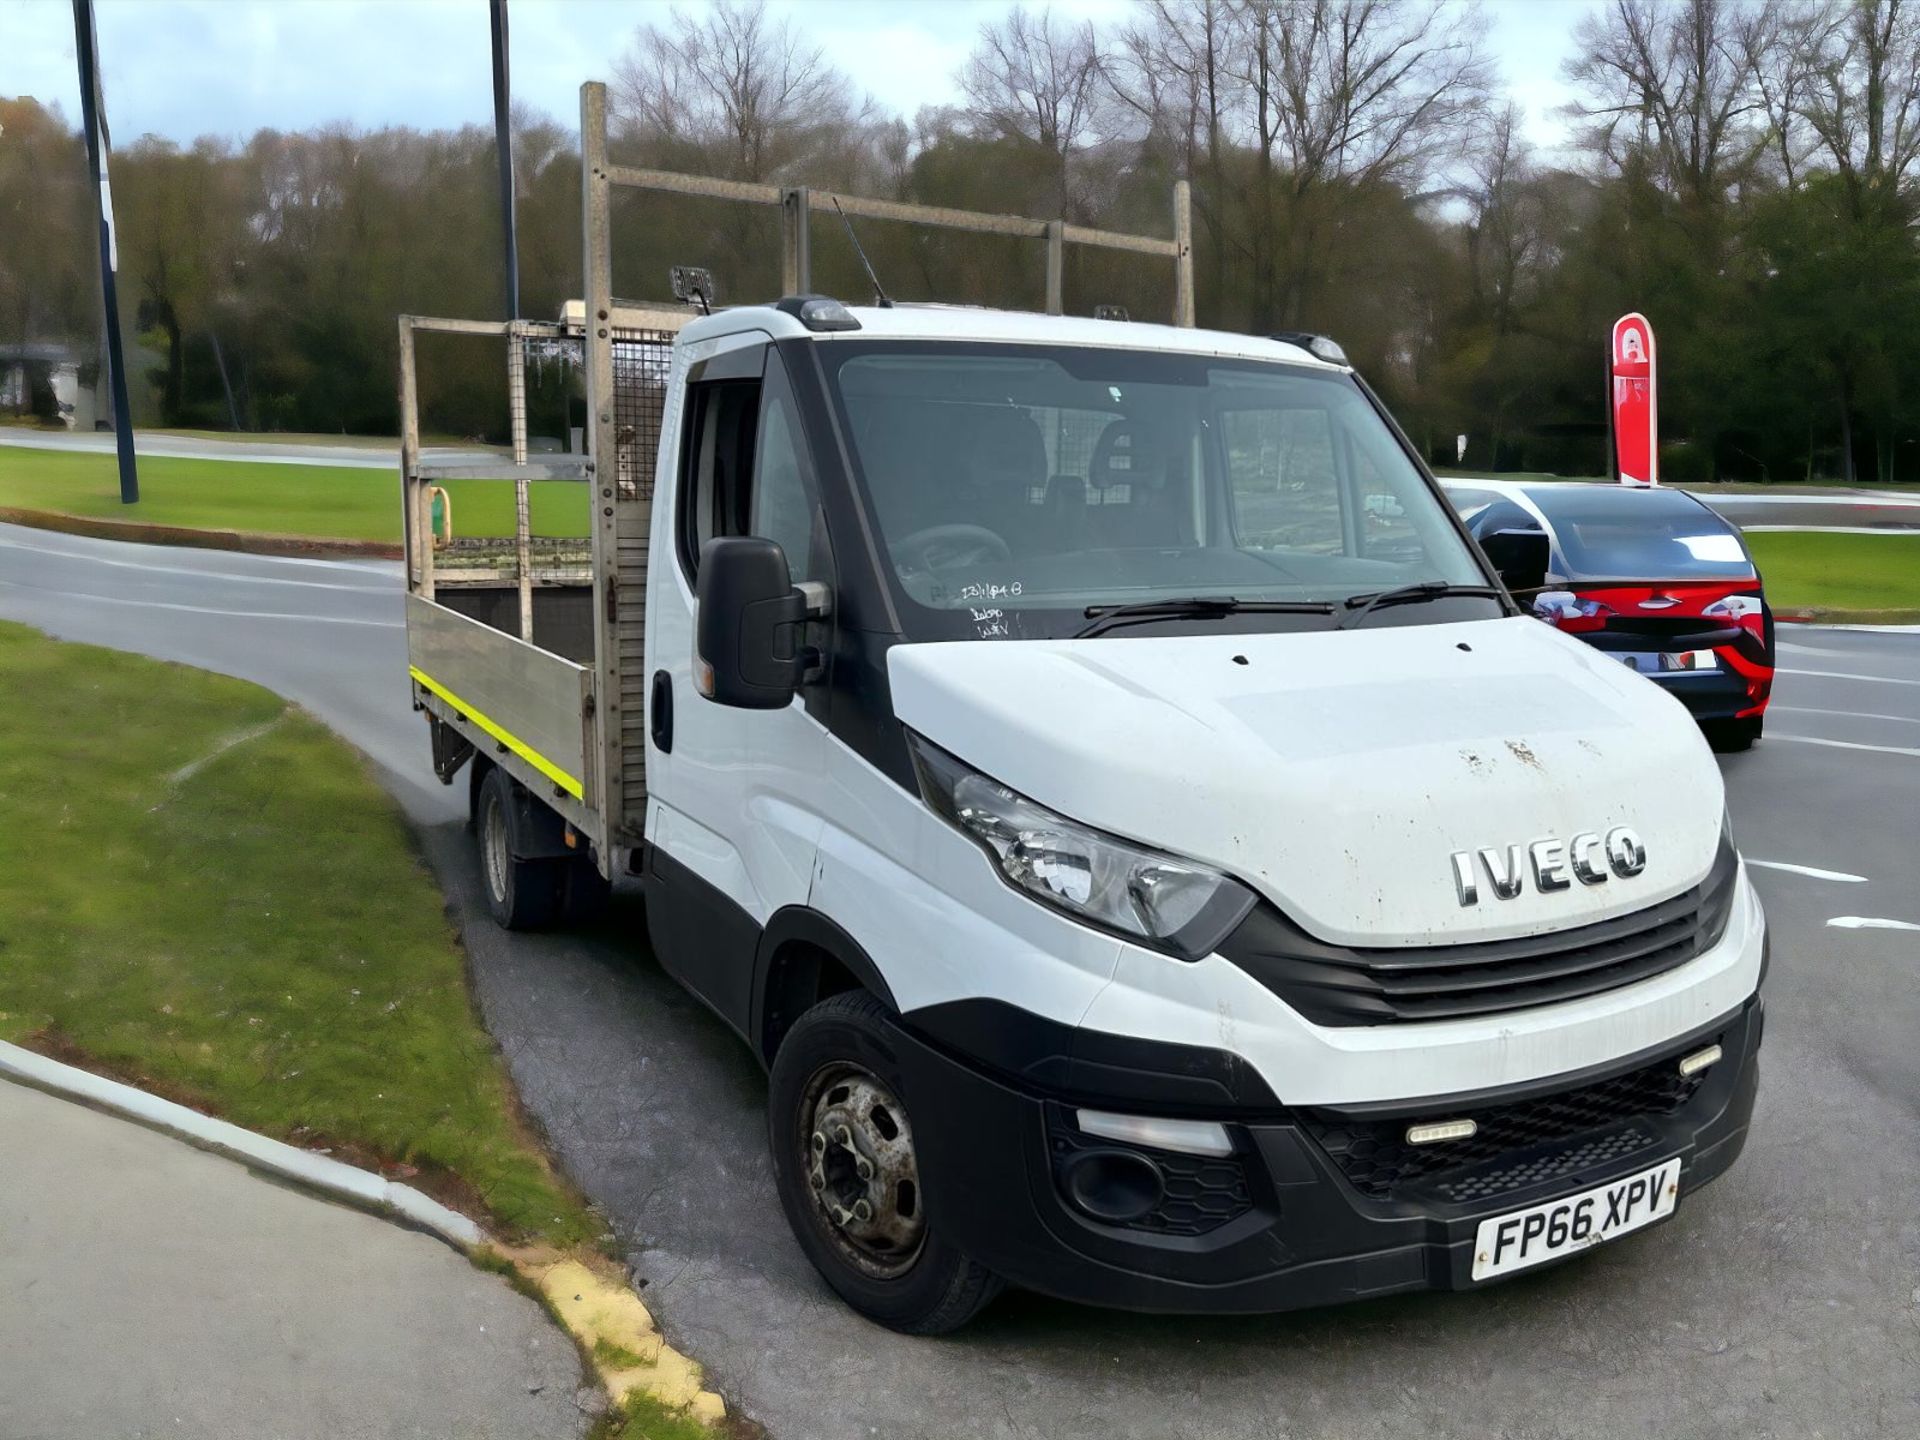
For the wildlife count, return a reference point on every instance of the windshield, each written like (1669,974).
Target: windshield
(1628,534)
(1014,487)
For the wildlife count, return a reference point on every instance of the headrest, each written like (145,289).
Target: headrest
(1127,454)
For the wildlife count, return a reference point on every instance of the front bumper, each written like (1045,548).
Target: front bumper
(1311,1208)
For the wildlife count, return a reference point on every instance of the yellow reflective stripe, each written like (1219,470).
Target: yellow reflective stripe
(513,742)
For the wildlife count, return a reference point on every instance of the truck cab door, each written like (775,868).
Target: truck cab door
(734,796)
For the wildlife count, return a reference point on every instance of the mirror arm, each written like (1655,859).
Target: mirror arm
(818,596)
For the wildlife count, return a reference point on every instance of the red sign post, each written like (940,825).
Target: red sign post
(1634,403)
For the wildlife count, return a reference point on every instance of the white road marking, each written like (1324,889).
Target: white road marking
(1817,874)
(1869,922)
(1842,714)
(1791,648)
(1828,529)
(1865,502)
(1847,675)
(205,609)
(89,559)
(1849,745)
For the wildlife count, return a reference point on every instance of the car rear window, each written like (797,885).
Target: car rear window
(1641,535)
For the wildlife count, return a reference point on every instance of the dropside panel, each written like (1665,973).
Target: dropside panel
(514,700)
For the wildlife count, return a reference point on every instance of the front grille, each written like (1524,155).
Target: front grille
(1202,1192)
(1348,985)
(1516,1146)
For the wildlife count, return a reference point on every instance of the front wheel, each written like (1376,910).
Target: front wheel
(847,1170)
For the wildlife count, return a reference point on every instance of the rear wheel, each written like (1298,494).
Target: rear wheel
(1732,736)
(521,894)
(847,1170)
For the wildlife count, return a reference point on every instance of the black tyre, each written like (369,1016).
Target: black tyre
(521,894)
(845,1165)
(1731,736)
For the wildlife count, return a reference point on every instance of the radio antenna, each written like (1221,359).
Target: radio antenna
(879,295)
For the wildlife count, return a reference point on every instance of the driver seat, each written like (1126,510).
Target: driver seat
(1127,461)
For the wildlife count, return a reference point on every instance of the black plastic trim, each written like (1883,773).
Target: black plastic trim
(801,924)
(660,712)
(744,362)
(1095,1066)
(858,708)
(1336,985)
(702,937)
(1309,1238)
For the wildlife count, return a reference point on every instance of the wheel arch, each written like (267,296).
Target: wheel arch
(803,957)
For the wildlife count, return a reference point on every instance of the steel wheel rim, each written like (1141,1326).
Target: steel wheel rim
(860,1170)
(493,842)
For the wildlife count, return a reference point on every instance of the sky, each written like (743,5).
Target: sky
(184,68)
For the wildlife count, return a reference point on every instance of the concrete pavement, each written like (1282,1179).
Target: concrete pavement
(149,1289)
(1783,1301)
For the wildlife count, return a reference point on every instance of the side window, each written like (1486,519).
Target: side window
(1286,489)
(785,506)
(722,416)
(747,472)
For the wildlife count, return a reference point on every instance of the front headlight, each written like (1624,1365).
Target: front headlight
(1172,904)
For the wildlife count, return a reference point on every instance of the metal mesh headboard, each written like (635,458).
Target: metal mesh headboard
(640,362)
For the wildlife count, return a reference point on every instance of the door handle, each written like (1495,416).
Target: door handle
(660,712)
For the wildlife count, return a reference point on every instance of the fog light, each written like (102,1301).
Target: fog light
(1189,1137)
(1434,1131)
(1699,1060)
(1113,1185)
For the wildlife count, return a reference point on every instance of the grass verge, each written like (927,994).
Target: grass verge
(1864,578)
(321,501)
(204,893)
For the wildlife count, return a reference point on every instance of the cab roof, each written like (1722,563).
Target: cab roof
(1014,327)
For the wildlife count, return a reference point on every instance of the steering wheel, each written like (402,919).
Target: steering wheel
(938,546)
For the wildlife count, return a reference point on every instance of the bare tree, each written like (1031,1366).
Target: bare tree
(1034,78)
(1673,83)
(1506,232)
(1781,42)
(1176,69)
(1863,99)
(1345,96)
(1365,90)
(730,90)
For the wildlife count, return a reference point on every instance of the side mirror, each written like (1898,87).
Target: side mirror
(746,632)
(1519,557)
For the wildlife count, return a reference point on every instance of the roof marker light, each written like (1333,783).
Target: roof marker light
(826,315)
(1321,347)
(1699,1060)
(1434,1131)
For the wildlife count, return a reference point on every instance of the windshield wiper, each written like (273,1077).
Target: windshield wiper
(1362,606)
(1106,617)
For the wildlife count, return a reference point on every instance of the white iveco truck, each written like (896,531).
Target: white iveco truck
(1091,767)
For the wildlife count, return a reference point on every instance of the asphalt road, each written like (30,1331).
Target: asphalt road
(1784,1301)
